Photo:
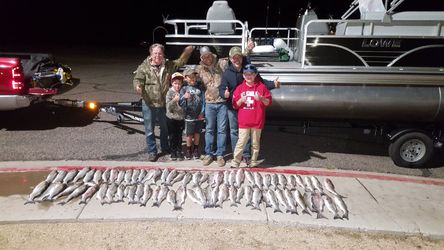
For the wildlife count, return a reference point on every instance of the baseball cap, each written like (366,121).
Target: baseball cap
(176,75)
(205,50)
(235,51)
(250,68)
(189,71)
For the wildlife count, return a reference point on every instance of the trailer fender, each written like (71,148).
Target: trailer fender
(395,134)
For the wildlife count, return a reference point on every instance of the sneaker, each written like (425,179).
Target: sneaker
(173,156)
(220,161)
(207,160)
(180,156)
(188,154)
(196,153)
(235,164)
(152,157)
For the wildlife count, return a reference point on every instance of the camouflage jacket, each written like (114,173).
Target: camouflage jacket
(155,85)
(211,77)
(173,109)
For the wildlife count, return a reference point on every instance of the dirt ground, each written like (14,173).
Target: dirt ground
(197,235)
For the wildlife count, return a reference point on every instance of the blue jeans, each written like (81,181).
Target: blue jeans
(234,133)
(150,115)
(215,114)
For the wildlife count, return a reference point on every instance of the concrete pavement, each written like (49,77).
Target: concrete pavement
(376,202)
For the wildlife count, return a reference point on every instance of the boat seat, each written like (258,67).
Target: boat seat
(221,11)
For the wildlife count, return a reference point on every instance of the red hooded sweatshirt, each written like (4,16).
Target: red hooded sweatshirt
(251,114)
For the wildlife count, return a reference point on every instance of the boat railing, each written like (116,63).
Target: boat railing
(198,28)
(353,28)
(266,35)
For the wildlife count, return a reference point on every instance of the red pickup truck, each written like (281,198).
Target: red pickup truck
(26,79)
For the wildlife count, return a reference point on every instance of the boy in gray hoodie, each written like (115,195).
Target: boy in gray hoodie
(175,116)
(192,101)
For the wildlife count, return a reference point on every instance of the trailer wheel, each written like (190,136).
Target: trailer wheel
(411,150)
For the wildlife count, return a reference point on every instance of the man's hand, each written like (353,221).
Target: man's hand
(187,95)
(139,89)
(200,116)
(227,93)
(189,49)
(250,44)
(277,83)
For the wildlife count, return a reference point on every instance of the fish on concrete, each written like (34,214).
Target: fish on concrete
(181,196)
(89,176)
(318,205)
(88,194)
(329,203)
(51,176)
(38,190)
(341,205)
(77,192)
(60,176)
(81,174)
(69,176)
(171,199)
(300,201)
(271,197)
(257,198)
(249,177)
(147,192)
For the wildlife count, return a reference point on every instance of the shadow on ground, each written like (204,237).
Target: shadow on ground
(45,117)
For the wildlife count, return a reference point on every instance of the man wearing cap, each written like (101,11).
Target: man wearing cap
(231,78)
(152,80)
(175,117)
(210,70)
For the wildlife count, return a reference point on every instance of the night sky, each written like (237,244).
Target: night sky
(30,23)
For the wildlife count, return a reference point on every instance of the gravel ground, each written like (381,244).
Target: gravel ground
(197,235)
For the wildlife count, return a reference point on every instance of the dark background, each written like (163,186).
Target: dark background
(30,23)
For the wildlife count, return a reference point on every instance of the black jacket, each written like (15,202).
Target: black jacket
(231,79)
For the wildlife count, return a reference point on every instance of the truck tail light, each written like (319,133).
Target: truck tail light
(17,78)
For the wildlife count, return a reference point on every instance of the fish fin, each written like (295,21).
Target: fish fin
(320,216)
(277,210)
(305,211)
(337,217)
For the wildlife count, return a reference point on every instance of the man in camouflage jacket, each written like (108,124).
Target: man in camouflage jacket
(152,81)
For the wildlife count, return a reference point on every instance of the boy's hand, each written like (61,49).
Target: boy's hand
(277,83)
(139,89)
(257,96)
(176,97)
(200,117)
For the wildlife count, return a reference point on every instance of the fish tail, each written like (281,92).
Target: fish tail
(156,204)
(248,204)
(294,211)
(277,210)
(320,216)
(82,202)
(233,204)
(29,202)
(345,216)
(256,208)
(62,203)
(177,208)
(337,217)
(305,211)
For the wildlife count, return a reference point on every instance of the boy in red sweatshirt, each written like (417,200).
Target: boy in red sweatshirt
(250,98)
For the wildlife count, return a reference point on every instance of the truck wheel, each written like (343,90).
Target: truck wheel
(411,150)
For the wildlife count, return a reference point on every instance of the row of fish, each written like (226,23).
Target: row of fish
(207,189)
